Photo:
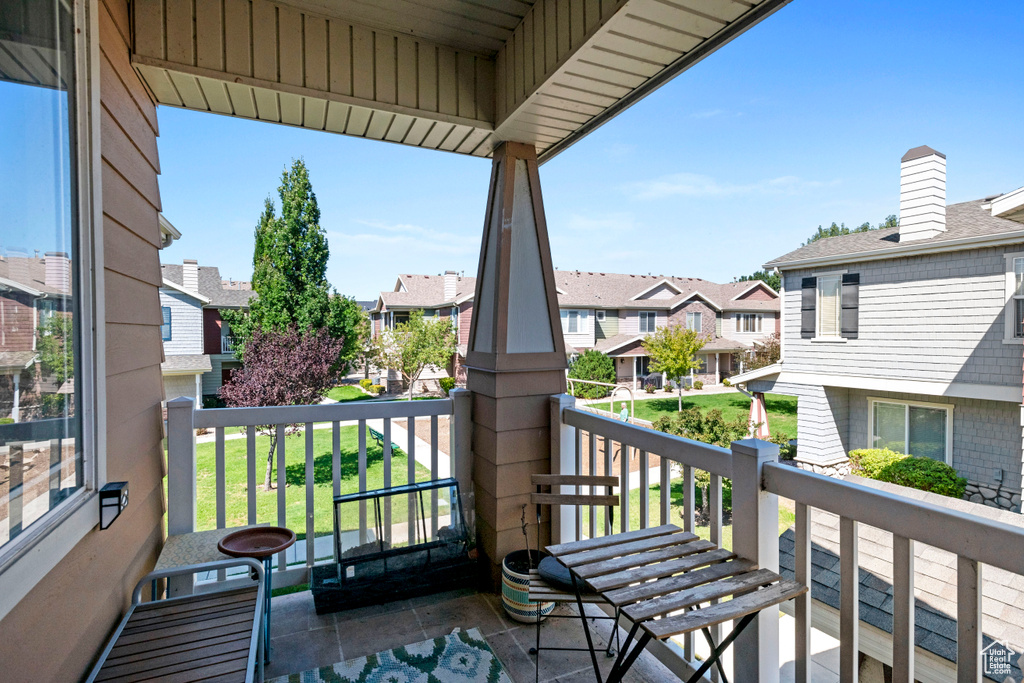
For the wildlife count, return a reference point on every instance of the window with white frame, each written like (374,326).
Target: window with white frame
(1014,297)
(599,315)
(574,321)
(921,429)
(749,322)
(694,321)
(829,306)
(648,321)
(39,111)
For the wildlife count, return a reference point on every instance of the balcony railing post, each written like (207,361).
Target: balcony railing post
(181,479)
(181,466)
(563,461)
(460,441)
(755,536)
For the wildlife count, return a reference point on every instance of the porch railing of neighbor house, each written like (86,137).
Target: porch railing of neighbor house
(227,344)
(183,419)
(758,480)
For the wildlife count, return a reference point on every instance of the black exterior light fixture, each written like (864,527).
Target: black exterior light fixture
(113,499)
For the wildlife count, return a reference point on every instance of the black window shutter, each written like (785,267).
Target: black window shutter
(808,299)
(850,303)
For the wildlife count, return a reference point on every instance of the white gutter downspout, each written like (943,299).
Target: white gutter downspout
(15,409)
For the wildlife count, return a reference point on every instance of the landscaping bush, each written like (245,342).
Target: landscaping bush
(6,420)
(376,389)
(592,366)
(649,387)
(787,451)
(726,382)
(709,427)
(924,474)
(698,385)
(869,462)
(365,384)
(447,384)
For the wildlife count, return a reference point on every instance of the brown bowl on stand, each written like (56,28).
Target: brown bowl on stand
(257,542)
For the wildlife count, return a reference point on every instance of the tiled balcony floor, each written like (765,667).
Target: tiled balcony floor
(303,640)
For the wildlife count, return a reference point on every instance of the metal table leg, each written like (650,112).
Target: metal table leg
(268,589)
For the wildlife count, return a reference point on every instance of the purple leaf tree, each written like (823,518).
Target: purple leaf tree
(283,369)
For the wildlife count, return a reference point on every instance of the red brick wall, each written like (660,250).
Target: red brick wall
(678,317)
(759,294)
(17,322)
(465,320)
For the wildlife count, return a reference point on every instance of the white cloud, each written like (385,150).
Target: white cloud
(409,238)
(695,185)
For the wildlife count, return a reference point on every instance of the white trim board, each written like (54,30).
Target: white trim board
(170,284)
(984,392)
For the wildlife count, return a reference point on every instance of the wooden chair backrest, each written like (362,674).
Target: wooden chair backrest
(555,480)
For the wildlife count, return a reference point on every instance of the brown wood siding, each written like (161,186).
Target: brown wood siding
(758,294)
(211,330)
(45,640)
(17,331)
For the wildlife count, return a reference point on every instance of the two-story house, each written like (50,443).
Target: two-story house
(910,337)
(32,290)
(198,351)
(613,313)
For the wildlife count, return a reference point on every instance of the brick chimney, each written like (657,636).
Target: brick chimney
(190,275)
(451,280)
(58,271)
(922,194)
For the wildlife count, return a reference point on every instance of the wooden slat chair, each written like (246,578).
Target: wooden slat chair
(212,636)
(540,590)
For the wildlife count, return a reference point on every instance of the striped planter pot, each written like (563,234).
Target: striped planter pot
(515,591)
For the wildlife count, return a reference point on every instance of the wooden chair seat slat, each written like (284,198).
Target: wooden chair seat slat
(189,619)
(641,559)
(185,630)
(143,651)
(573,499)
(735,585)
(602,541)
(542,591)
(657,571)
(573,480)
(724,611)
(652,589)
(629,548)
(164,663)
(155,610)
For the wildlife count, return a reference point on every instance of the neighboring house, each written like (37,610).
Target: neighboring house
(198,346)
(910,337)
(32,288)
(613,313)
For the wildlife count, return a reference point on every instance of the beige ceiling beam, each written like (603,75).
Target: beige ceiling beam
(273,62)
(572,65)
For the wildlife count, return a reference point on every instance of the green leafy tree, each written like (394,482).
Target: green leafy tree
(290,274)
(54,343)
(773,280)
(412,346)
(593,366)
(766,352)
(673,350)
(891,221)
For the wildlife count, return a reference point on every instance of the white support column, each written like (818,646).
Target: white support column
(461,455)
(718,360)
(563,461)
(16,408)
(755,524)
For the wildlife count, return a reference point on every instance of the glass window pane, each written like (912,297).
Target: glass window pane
(1018,273)
(828,306)
(1018,318)
(573,321)
(40,448)
(928,432)
(890,426)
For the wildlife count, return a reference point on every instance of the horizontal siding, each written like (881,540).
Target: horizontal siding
(186,323)
(934,318)
(111,561)
(212,379)
(176,386)
(768,325)
(585,339)
(271,62)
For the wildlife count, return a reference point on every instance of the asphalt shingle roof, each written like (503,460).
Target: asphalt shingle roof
(187,363)
(963,220)
(28,271)
(934,578)
(220,294)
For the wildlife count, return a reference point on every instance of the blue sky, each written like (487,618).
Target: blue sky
(799,122)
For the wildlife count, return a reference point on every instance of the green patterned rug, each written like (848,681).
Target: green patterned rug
(462,657)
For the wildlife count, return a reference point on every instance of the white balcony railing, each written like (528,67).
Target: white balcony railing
(227,344)
(758,480)
(293,567)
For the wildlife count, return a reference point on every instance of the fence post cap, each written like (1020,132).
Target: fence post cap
(564,400)
(180,402)
(756,448)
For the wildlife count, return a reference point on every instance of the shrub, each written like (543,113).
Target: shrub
(365,383)
(649,387)
(447,384)
(593,366)
(924,474)
(787,451)
(6,420)
(698,385)
(869,462)
(726,382)
(376,389)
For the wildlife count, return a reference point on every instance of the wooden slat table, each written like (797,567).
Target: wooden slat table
(659,577)
(212,637)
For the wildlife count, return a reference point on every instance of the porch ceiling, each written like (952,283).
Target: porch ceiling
(452,75)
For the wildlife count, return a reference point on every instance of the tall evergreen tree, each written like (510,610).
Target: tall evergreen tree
(290,273)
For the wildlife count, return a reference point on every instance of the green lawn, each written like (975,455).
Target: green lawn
(781,409)
(786,517)
(236,505)
(346,393)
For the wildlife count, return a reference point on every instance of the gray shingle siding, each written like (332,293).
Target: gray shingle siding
(822,416)
(186,323)
(986,434)
(211,380)
(937,317)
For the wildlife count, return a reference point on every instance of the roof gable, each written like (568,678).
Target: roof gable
(660,290)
